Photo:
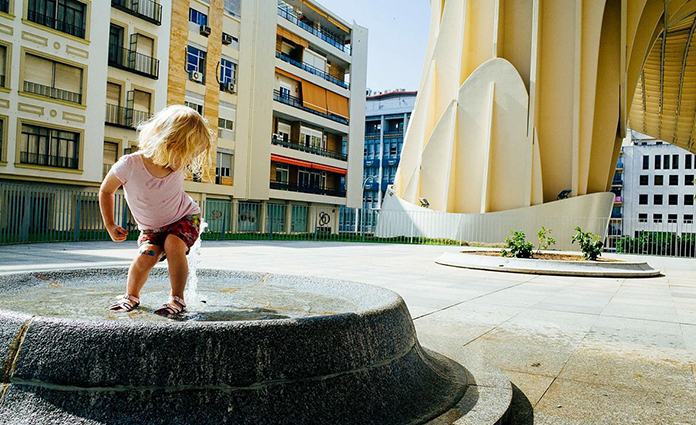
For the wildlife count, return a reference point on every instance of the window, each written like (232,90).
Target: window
(228,71)
(674,180)
(66,16)
(49,147)
(299,218)
(51,79)
(658,180)
(657,199)
(195,106)
(688,218)
(688,199)
(197,17)
(392,149)
(675,161)
(282,173)
(687,161)
(643,199)
(642,218)
(225,124)
(3,67)
(673,199)
(644,180)
(657,218)
(195,60)
(2,136)
(671,218)
(110,156)
(5,6)
(658,162)
(646,162)
(140,104)
(223,169)
(689,180)
(665,162)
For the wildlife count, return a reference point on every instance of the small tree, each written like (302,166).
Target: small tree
(544,238)
(518,246)
(590,245)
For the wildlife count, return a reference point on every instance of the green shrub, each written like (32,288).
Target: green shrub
(590,245)
(518,246)
(544,238)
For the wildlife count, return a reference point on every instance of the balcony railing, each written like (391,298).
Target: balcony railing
(52,92)
(311,69)
(48,160)
(5,6)
(394,133)
(316,190)
(124,117)
(319,32)
(133,61)
(148,10)
(297,103)
(317,151)
(78,30)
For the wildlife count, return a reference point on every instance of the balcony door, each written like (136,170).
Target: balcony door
(116,44)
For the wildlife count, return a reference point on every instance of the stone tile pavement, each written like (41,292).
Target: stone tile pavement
(577,350)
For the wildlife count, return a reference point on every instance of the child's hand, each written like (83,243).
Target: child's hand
(117,233)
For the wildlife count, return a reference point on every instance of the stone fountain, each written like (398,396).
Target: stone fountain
(254,349)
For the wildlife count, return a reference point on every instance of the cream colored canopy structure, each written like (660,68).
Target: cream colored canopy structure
(523,99)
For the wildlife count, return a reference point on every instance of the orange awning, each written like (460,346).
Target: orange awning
(330,168)
(291,161)
(337,104)
(292,37)
(287,74)
(314,97)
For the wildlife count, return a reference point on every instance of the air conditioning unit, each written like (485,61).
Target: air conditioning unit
(226,39)
(195,76)
(229,87)
(205,30)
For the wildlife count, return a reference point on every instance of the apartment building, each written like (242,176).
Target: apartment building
(277,78)
(654,187)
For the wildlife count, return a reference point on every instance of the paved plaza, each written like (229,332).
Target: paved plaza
(577,350)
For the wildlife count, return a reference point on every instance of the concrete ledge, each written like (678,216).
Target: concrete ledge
(551,267)
(365,366)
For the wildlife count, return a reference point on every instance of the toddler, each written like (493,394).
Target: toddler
(168,219)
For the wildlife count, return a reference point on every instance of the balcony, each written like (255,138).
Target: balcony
(372,134)
(319,32)
(48,160)
(52,92)
(316,190)
(317,151)
(147,10)
(297,103)
(311,69)
(394,133)
(617,182)
(118,116)
(33,15)
(130,60)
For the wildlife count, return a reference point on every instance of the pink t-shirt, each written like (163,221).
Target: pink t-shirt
(154,202)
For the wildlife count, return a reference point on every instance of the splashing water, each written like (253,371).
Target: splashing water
(194,260)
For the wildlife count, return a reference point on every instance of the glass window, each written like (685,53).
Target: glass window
(671,218)
(642,218)
(689,180)
(3,66)
(675,161)
(688,199)
(195,60)
(225,124)
(687,161)
(110,156)
(644,180)
(643,199)
(197,17)
(658,162)
(195,106)
(657,218)
(673,199)
(223,169)
(657,199)
(658,180)
(299,218)
(665,162)
(275,218)
(228,71)
(282,173)
(67,16)
(673,180)
(49,147)
(646,162)
(51,79)
(688,218)
(248,217)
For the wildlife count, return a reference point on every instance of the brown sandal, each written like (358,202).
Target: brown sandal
(125,303)
(175,306)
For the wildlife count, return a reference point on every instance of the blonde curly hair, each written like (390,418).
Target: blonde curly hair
(176,137)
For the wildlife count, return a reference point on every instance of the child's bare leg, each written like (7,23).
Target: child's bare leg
(148,256)
(175,249)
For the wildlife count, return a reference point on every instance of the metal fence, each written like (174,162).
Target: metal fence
(46,214)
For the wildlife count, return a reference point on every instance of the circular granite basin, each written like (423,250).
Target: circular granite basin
(254,349)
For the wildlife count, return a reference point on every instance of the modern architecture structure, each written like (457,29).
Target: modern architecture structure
(282,82)
(523,102)
(654,184)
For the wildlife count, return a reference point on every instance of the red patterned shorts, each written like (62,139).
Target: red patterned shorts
(187,229)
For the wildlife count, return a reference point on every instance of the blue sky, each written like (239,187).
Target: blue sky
(398,36)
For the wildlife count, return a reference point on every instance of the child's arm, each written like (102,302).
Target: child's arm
(106,204)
